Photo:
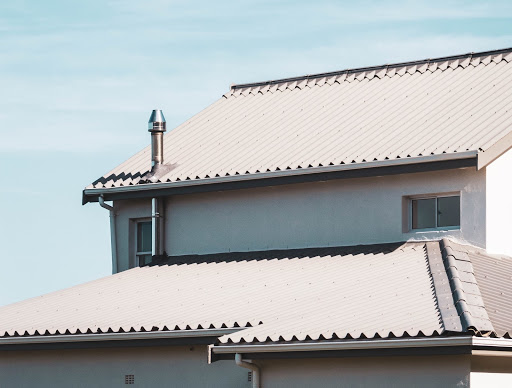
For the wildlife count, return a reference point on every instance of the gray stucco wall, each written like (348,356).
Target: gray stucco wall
(340,212)
(179,367)
(106,368)
(396,372)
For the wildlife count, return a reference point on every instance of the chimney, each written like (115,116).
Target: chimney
(156,125)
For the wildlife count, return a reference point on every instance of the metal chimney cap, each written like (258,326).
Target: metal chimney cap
(156,122)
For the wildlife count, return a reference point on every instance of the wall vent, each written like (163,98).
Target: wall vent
(129,379)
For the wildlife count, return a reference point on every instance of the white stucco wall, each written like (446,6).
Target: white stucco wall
(499,205)
(487,380)
(332,213)
(175,366)
(390,372)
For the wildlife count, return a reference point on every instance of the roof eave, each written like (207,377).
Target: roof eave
(265,178)
(149,335)
(467,344)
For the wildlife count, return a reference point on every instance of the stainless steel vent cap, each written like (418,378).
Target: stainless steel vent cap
(156,122)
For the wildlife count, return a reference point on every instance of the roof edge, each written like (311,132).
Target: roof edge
(371,68)
(346,345)
(39,339)
(90,194)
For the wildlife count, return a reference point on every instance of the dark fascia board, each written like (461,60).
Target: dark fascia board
(456,343)
(164,190)
(371,68)
(180,341)
(384,352)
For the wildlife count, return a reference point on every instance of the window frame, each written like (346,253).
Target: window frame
(435,196)
(136,253)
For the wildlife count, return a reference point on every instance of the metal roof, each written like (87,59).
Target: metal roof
(444,106)
(356,291)
(374,291)
(494,277)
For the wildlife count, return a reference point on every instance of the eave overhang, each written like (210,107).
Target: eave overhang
(471,345)
(150,338)
(275,178)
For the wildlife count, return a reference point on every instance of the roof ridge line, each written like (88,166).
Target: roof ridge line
(371,68)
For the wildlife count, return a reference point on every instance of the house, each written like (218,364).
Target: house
(335,230)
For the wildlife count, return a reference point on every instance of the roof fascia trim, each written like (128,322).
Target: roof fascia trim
(495,151)
(117,336)
(344,345)
(283,173)
(484,342)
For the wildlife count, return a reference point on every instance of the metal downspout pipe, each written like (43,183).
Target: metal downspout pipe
(253,367)
(113,237)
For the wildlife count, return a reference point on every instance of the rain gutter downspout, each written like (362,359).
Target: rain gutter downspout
(253,367)
(113,239)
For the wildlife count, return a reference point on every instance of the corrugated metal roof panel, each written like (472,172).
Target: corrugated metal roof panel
(356,291)
(429,107)
(494,277)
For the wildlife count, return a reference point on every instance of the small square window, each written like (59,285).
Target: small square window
(143,248)
(435,212)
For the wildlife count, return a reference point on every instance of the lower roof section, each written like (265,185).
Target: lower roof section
(398,290)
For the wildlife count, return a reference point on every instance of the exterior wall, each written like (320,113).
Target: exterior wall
(486,380)
(499,205)
(396,372)
(106,368)
(126,212)
(181,367)
(331,213)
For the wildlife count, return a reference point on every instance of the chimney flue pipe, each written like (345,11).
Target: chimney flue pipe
(156,125)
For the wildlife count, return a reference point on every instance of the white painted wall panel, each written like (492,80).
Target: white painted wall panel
(487,380)
(499,205)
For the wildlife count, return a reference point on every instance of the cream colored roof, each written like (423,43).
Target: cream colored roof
(351,290)
(430,107)
(373,291)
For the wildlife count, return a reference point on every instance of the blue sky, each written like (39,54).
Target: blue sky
(79,80)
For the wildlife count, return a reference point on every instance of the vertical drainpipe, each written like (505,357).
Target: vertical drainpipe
(256,374)
(156,126)
(113,237)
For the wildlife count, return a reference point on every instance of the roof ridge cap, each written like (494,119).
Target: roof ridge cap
(459,295)
(371,68)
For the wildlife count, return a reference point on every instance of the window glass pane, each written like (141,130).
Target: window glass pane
(423,213)
(144,259)
(144,237)
(448,211)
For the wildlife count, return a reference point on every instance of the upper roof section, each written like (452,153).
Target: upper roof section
(445,108)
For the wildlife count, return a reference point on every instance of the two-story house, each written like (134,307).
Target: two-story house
(335,230)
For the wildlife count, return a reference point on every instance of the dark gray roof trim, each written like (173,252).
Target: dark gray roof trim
(466,294)
(373,68)
(442,289)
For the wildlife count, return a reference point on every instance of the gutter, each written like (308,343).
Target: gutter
(113,237)
(368,344)
(40,339)
(283,173)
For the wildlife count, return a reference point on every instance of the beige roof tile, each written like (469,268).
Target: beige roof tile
(353,116)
